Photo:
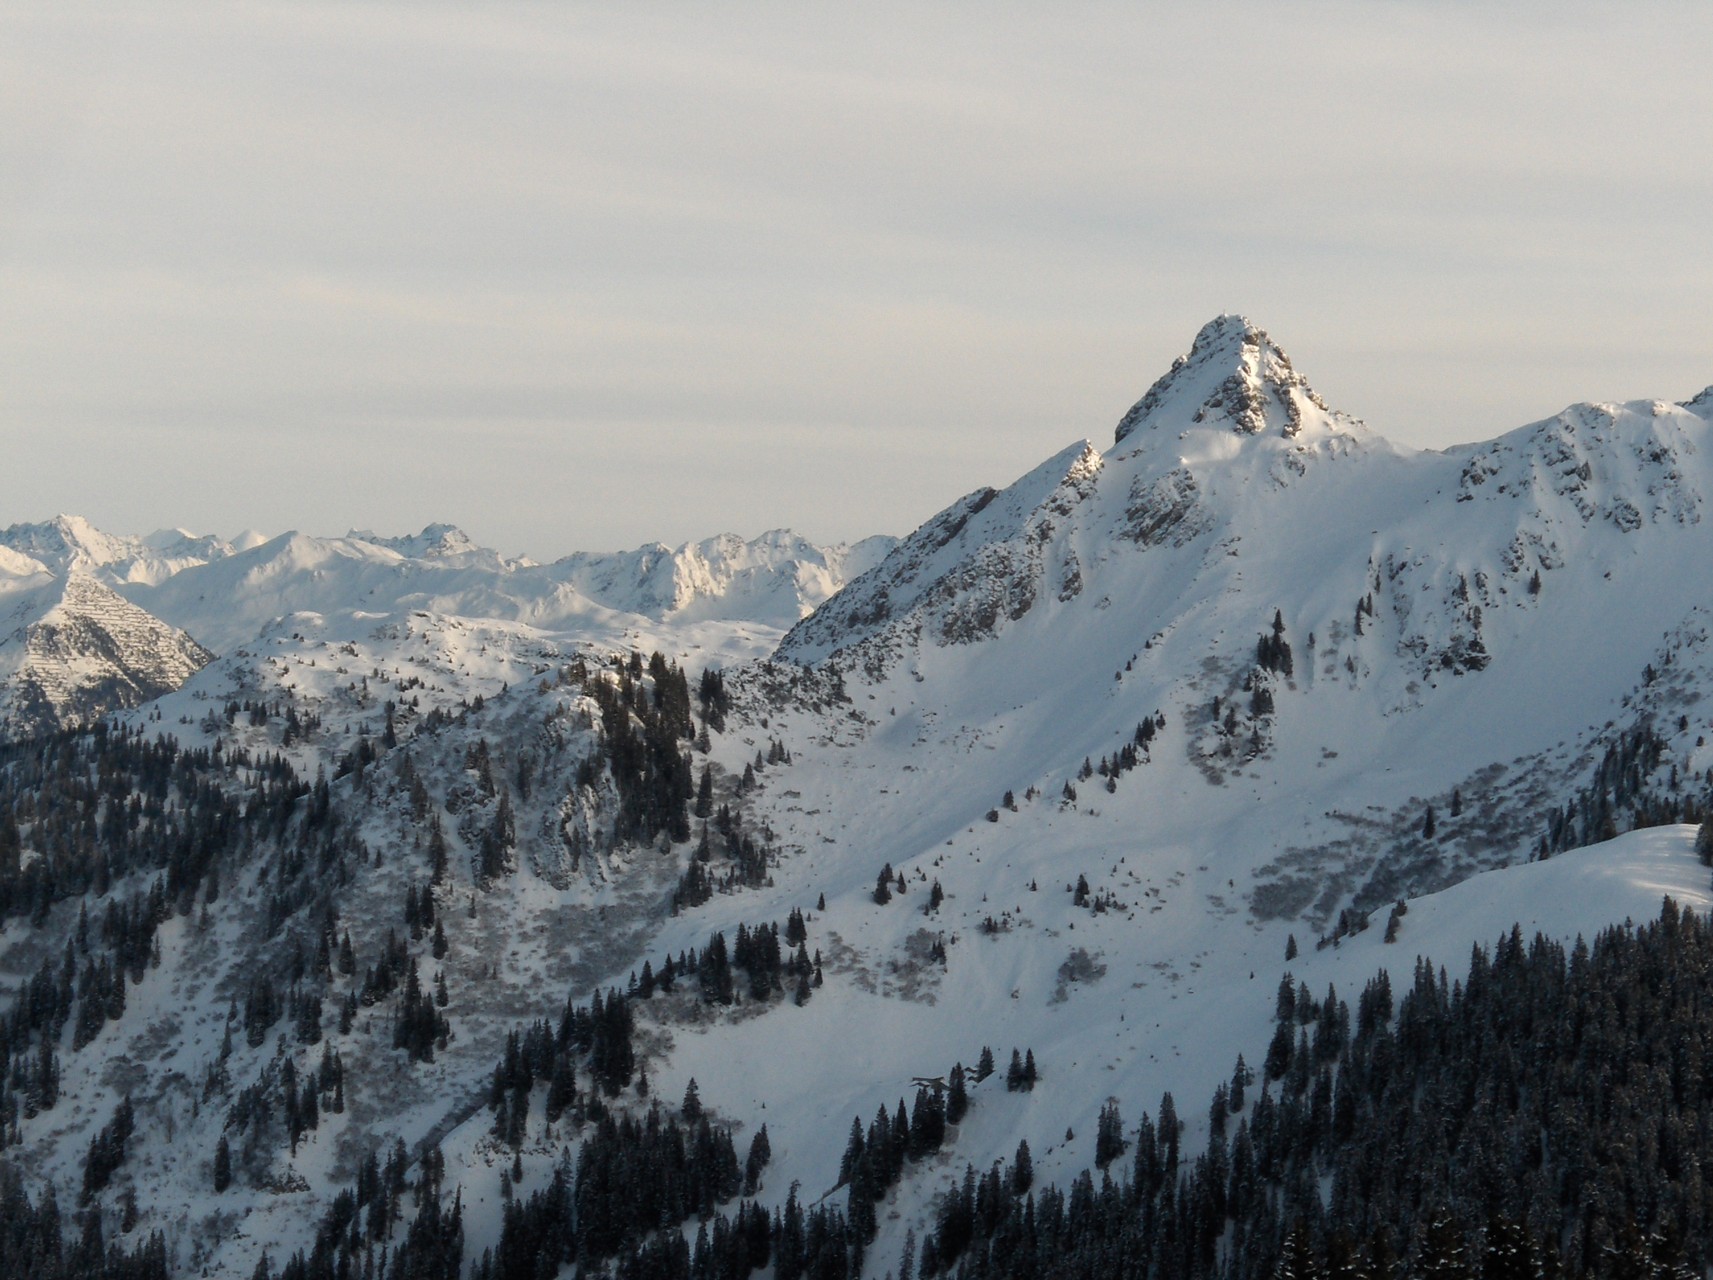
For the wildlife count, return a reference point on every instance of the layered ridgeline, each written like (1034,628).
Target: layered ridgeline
(665,911)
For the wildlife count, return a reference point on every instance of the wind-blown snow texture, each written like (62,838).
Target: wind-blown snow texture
(1326,635)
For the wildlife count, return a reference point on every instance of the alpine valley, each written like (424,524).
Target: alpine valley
(1241,846)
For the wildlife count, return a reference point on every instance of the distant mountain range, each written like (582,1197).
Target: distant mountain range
(226,593)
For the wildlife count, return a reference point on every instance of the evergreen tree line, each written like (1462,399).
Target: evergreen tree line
(1550,1116)
(107,1149)
(101,807)
(100,804)
(634,1182)
(356,1236)
(279,1109)
(874,1160)
(1627,794)
(597,1038)
(36,1241)
(631,1177)
(801,1244)
(766,964)
(1115,766)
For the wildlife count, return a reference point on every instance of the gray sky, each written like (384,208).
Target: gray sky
(586,276)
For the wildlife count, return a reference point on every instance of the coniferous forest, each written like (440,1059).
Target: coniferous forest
(1550,1116)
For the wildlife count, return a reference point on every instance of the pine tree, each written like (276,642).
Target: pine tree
(957,1095)
(1442,1254)
(691,1107)
(1296,1259)
(1022,1169)
(1108,1135)
(760,1152)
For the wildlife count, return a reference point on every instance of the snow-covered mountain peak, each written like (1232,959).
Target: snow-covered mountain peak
(66,542)
(1701,404)
(17,565)
(437,541)
(69,543)
(1235,379)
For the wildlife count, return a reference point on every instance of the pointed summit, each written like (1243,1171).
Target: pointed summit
(1234,376)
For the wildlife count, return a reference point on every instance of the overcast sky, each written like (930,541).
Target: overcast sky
(584,277)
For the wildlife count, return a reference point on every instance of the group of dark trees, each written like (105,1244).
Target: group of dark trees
(875,1159)
(1022,1074)
(631,1177)
(1273,651)
(35,1241)
(1552,1115)
(716,702)
(567,1222)
(742,861)
(280,1107)
(107,1149)
(153,828)
(102,804)
(358,1234)
(597,1038)
(1119,763)
(1625,793)
(645,729)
